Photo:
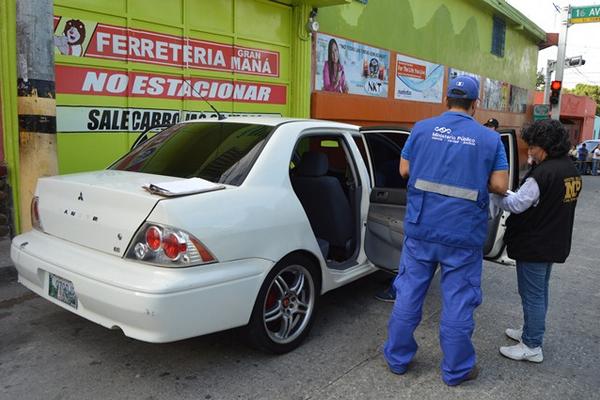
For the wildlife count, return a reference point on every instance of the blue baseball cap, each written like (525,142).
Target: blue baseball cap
(463,87)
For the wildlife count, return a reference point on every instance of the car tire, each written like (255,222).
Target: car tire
(285,307)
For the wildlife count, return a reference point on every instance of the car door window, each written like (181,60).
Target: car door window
(385,149)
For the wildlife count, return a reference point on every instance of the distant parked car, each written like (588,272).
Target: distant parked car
(589,145)
(242,222)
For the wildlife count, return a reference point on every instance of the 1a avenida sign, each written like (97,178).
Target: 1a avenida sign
(585,14)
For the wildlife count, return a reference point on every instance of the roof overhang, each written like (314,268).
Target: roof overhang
(314,3)
(515,19)
(551,40)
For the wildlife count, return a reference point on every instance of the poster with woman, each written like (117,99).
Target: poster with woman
(343,66)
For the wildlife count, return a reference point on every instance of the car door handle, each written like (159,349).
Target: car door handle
(381,195)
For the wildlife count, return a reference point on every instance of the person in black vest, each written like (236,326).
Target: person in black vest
(539,229)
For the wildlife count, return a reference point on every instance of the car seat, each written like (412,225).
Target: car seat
(325,204)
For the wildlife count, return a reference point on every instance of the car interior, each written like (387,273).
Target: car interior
(324,178)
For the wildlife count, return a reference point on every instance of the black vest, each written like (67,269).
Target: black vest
(543,233)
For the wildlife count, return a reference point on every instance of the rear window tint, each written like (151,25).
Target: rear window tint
(217,152)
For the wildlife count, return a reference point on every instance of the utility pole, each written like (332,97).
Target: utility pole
(548,78)
(36,99)
(560,57)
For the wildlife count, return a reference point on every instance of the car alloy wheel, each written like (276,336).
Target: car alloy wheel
(289,304)
(285,306)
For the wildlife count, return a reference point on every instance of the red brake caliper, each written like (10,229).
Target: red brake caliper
(271,299)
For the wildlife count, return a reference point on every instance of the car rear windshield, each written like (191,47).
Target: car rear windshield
(217,152)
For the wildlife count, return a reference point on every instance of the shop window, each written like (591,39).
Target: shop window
(498,36)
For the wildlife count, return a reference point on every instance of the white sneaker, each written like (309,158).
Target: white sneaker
(521,352)
(514,334)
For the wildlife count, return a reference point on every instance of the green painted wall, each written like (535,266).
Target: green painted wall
(254,24)
(456,33)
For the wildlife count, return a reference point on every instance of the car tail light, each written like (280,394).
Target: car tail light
(167,246)
(36,223)
(153,238)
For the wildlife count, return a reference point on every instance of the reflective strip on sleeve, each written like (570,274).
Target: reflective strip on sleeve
(446,190)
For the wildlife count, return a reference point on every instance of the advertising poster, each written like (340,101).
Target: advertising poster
(518,99)
(453,73)
(496,95)
(344,66)
(418,80)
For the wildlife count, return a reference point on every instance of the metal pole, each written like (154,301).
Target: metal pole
(560,57)
(548,79)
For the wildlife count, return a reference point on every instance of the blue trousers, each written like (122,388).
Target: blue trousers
(461,294)
(533,279)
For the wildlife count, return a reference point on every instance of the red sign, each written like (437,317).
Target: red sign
(107,82)
(119,43)
(411,70)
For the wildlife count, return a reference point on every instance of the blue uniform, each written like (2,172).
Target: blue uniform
(451,159)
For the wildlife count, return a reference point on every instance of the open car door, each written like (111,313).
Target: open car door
(494,244)
(384,232)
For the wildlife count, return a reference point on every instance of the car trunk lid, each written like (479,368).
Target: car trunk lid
(100,210)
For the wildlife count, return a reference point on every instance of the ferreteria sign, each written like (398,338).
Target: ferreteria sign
(585,14)
(85,38)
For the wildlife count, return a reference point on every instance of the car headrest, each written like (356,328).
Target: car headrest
(313,164)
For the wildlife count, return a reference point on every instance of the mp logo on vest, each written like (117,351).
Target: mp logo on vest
(572,189)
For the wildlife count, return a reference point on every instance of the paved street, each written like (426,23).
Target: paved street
(49,353)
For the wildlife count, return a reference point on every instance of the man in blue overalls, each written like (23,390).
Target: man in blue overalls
(451,162)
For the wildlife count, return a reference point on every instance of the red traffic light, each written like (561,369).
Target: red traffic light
(556,85)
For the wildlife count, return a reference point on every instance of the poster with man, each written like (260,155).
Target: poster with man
(343,66)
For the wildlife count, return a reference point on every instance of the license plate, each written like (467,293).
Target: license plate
(62,289)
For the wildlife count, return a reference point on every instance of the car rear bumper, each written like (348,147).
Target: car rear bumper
(148,303)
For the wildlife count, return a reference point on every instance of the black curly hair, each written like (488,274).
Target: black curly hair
(550,135)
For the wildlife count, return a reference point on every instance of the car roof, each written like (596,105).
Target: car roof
(274,121)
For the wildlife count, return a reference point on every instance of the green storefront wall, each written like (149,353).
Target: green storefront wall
(455,33)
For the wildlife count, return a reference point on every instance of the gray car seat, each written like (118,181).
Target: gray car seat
(325,204)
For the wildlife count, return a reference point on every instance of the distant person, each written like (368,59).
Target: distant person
(539,230)
(492,123)
(334,79)
(573,153)
(595,160)
(582,155)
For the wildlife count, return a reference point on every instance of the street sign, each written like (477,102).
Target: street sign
(584,14)
(541,111)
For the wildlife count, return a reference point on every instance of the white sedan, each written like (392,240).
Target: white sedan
(211,225)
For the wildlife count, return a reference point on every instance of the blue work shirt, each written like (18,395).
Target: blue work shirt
(451,159)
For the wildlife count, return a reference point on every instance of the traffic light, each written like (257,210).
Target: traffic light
(574,61)
(555,87)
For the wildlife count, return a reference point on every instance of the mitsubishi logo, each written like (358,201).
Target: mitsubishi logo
(80,198)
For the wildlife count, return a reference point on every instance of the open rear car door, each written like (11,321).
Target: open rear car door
(384,231)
